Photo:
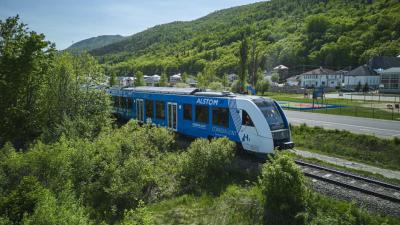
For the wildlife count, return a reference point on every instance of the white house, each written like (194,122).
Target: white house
(125,81)
(320,77)
(293,81)
(176,78)
(361,75)
(152,80)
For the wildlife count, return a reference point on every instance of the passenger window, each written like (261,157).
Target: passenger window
(201,114)
(149,108)
(187,112)
(115,101)
(129,103)
(123,102)
(220,117)
(160,110)
(246,120)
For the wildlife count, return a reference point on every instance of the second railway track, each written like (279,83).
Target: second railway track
(350,181)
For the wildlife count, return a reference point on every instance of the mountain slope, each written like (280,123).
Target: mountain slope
(93,43)
(330,33)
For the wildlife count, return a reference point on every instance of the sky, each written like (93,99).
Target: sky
(67,21)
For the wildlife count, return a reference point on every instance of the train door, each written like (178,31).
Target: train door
(172,115)
(140,110)
(248,133)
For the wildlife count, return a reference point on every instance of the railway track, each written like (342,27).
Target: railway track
(350,181)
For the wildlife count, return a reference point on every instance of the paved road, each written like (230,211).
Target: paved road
(380,128)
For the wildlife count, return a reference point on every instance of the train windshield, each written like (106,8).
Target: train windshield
(271,113)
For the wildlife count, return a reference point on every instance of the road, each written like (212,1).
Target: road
(379,128)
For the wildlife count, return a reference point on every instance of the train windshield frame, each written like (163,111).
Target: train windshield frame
(271,113)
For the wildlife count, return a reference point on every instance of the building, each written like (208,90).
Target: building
(152,80)
(361,75)
(390,80)
(320,77)
(176,78)
(282,71)
(293,81)
(125,81)
(380,63)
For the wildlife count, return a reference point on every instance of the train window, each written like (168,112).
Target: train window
(246,120)
(187,112)
(201,114)
(149,108)
(123,102)
(115,100)
(220,117)
(160,110)
(129,104)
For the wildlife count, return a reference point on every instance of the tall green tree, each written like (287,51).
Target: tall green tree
(243,61)
(163,80)
(25,60)
(139,80)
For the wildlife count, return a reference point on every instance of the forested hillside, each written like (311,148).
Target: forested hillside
(93,43)
(330,33)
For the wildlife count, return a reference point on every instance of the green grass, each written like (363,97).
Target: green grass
(244,205)
(355,108)
(367,149)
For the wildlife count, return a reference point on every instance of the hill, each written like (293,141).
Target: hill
(93,43)
(331,33)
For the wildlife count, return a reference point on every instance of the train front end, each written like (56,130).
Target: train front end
(277,121)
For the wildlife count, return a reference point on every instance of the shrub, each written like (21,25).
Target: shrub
(284,190)
(206,161)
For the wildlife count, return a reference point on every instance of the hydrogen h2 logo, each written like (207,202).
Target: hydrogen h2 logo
(245,138)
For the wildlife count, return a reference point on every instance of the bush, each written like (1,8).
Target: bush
(285,192)
(206,162)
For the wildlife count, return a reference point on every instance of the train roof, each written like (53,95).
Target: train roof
(164,90)
(188,91)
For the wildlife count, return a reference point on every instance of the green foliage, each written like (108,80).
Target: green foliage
(243,63)
(163,80)
(206,161)
(333,34)
(93,43)
(139,216)
(362,148)
(139,79)
(25,60)
(275,77)
(216,86)
(285,192)
(48,92)
(262,86)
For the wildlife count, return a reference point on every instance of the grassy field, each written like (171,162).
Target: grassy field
(358,108)
(362,148)
(243,205)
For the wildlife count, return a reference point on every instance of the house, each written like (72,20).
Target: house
(361,75)
(390,80)
(293,81)
(282,71)
(176,78)
(151,80)
(125,81)
(320,77)
(380,63)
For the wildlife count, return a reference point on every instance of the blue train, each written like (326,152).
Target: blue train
(258,124)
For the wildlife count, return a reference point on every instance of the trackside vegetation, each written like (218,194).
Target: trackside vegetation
(363,148)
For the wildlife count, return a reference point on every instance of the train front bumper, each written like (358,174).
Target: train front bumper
(286,145)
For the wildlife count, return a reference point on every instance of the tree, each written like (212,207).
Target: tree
(275,77)
(184,77)
(365,88)
(262,86)
(163,80)
(25,61)
(243,61)
(139,80)
(285,192)
(359,87)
